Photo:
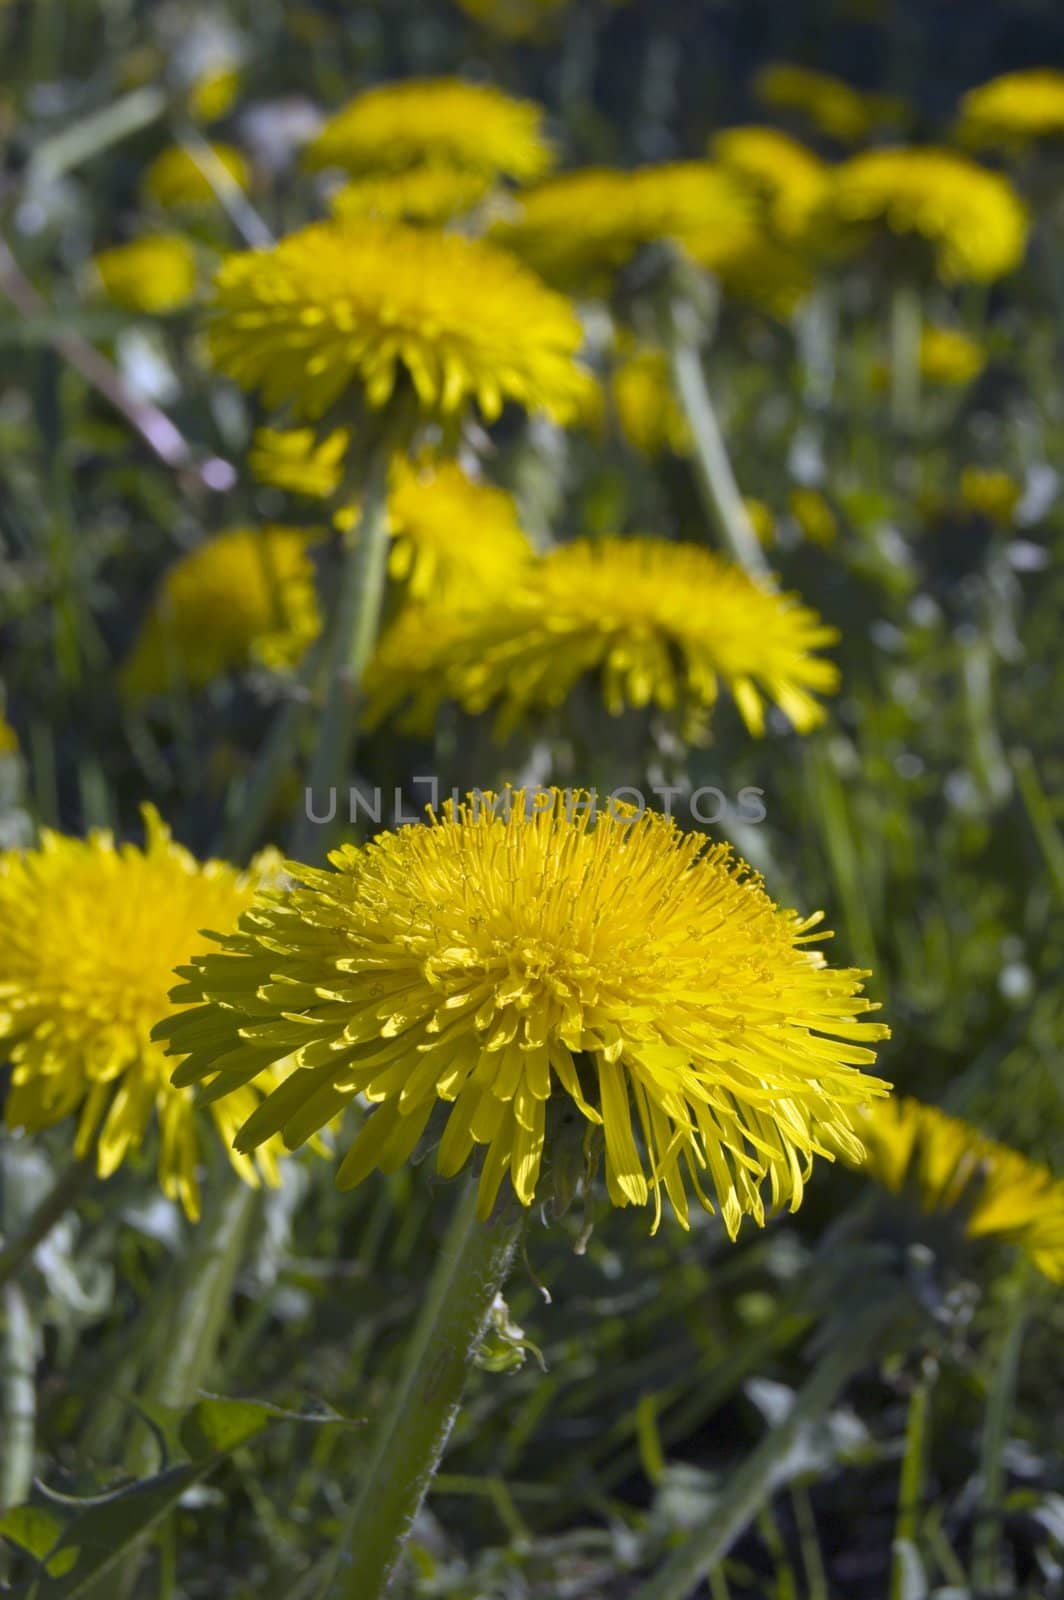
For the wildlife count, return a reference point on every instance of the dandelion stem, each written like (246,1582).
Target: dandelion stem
(356,618)
(906,325)
(911,1486)
(753,1485)
(473,1262)
(55,1205)
(716,480)
(999,1408)
(19,1364)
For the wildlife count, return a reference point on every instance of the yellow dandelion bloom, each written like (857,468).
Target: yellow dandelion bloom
(155,273)
(176,181)
(450,534)
(814,516)
(830,104)
(753,267)
(654,623)
(991,494)
(1014,110)
(950,357)
(950,1166)
(435,122)
(244,598)
(213,94)
(93,931)
(584,224)
(298,461)
(516,953)
(458,319)
(514,19)
(426,195)
(785,178)
(972,220)
(648,414)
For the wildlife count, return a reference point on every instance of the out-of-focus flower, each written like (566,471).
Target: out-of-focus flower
(517,957)
(514,19)
(814,516)
(584,225)
(156,273)
(648,414)
(785,178)
(452,536)
(753,268)
(971,220)
(950,357)
(1014,110)
(242,599)
(435,122)
(382,304)
(176,181)
(298,461)
(761,520)
(427,195)
(651,622)
(93,933)
(950,1167)
(213,94)
(830,104)
(991,494)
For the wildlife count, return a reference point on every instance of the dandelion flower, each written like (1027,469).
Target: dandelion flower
(452,535)
(93,931)
(949,1166)
(830,104)
(245,598)
(514,19)
(990,493)
(814,516)
(517,964)
(156,273)
(335,305)
(435,122)
(1014,110)
(177,182)
(427,196)
(654,623)
(753,267)
(971,220)
(648,414)
(298,461)
(213,94)
(761,519)
(784,177)
(575,228)
(950,357)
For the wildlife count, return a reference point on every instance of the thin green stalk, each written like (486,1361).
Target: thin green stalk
(353,634)
(1040,815)
(906,327)
(56,1203)
(716,480)
(406,1451)
(987,753)
(18,1368)
(751,1488)
(911,1486)
(986,1555)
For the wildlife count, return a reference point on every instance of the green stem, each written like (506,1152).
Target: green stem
(406,1451)
(752,1486)
(359,602)
(1041,818)
(988,758)
(906,327)
(911,1487)
(56,1203)
(17,1385)
(716,480)
(999,1408)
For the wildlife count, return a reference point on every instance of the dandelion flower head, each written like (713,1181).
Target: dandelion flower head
(378,303)
(785,177)
(653,623)
(93,932)
(452,535)
(950,357)
(514,19)
(648,414)
(427,196)
(510,971)
(156,273)
(831,105)
(972,220)
(176,181)
(753,267)
(246,598)
(1014,110)
(435,122)
(948,1165)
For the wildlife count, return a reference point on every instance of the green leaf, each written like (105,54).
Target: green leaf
(31,1528)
